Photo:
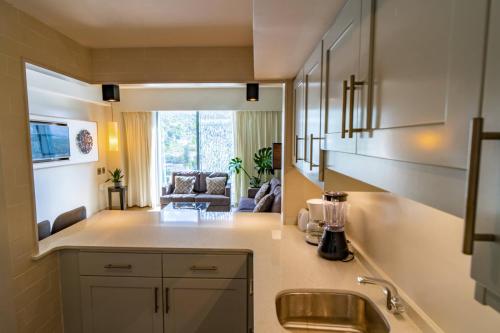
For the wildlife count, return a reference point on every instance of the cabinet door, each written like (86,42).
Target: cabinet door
(121,304)
(486,257)
(313,89)
(299,119)
(427,60)
(344,56)
(205,305)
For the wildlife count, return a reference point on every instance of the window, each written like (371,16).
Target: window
(195,140)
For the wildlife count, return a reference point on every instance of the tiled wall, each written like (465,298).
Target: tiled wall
(35,289)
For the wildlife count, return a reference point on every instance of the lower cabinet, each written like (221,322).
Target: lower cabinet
(120,292)
(121,304)
(205,305)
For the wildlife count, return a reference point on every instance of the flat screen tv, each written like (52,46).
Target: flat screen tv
(49,141)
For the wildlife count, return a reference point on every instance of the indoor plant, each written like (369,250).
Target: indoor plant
(236,166)
(263,160)
(116,177)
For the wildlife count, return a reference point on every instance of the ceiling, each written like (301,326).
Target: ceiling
(146,23)
(286,31)
(283,32)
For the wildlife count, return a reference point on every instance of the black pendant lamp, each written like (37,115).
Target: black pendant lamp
(110,93)
(252,92)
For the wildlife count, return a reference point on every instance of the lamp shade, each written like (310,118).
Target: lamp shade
(113,136)
(276,156)
(252,92)
(110,93)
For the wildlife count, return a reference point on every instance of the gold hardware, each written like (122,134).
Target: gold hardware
(344,106)
(156,300)
(167,306)
(113,266)
(311,141)
(296,149)
(476,137)
(352,88)
(203,268)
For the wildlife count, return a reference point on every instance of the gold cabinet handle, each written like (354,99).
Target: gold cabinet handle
(476,137)
(203,268)
(352,89)
(296,150)
(344,106)
(311,141)
(119,266)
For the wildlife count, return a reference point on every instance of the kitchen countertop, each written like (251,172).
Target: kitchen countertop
(282,259)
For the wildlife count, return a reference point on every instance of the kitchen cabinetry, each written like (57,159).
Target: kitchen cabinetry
(299,120)
(427,62)
(205,305)
(121,304)
(486,254)
(346,71)
(313,89)
(155,292)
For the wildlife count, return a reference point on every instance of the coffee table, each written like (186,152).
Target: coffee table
(200,206)
(184,212)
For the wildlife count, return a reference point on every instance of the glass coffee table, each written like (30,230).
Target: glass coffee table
(186,213)
(199,206)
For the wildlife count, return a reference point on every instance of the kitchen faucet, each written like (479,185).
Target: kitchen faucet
(394,301)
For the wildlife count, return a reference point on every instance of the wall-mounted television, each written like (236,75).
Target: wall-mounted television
(49,141)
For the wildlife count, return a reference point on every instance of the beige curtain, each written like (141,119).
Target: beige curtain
(253,130)
(139,137)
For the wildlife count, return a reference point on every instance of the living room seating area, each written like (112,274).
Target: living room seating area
(199,190)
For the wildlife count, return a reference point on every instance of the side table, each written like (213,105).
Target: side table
(122,190)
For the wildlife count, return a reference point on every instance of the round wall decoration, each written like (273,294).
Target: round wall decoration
(84,141)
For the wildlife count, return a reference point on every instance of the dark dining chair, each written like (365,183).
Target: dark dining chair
(69,218)
(43,229)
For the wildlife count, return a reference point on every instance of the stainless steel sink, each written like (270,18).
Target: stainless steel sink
(310,310)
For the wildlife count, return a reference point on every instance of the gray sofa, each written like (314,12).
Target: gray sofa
(247,204)
(218,202)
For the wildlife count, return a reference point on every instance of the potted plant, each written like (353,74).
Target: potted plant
(263,160)
(236,166)
(116,177)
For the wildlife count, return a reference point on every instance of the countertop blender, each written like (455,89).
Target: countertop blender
(333,243)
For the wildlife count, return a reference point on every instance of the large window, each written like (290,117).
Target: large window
(195,140)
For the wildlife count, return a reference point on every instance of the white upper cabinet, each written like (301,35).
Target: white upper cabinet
(313,89)
(427,62)
(299,119)
(346,74)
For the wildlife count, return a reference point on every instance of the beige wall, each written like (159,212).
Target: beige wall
(35,286)
(173,64)
(419,248)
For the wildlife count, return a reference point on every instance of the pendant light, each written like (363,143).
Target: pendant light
(252,92)
(111,93)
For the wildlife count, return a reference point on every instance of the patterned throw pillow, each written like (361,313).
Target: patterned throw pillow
(184,184)
(216,185)
(264,204)
(261,193)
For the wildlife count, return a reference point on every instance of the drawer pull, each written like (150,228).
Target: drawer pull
(203,268)
(352,87)
(156,300)
(167,306)
(113,266)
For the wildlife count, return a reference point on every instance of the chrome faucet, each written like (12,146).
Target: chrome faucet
(394,301)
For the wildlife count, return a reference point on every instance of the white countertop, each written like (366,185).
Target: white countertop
(282,259)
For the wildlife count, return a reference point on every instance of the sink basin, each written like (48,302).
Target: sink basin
(309,310)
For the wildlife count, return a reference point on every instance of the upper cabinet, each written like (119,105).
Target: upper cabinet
(313,90)
(427,67)
(346,75)
(299,118)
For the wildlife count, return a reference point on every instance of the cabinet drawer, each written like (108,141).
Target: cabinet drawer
(120,264)
(205,265)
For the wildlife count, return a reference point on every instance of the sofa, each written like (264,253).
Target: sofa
(247,204)
(218,202)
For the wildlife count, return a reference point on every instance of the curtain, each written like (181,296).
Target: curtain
(253,130)
(139,139)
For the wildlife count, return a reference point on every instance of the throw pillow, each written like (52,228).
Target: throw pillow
(261,193)
(216,185)
(184,184)
(276,206)
(264,204)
